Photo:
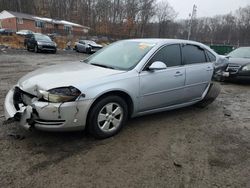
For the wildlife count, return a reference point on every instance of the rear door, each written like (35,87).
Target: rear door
(199,71)
(162,88)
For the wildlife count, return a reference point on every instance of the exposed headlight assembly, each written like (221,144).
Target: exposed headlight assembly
(246,68)
(61,94)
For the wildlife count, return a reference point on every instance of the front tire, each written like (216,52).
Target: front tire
(88,50)
(107,117)
(36,49)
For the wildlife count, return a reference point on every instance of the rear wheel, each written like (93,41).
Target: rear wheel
(107,117)
(211,95)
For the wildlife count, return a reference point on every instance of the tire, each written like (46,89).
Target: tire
(88,50)
(211,95)
(27,47)
(107,117)
(54,52)
(36,49)
(76,49)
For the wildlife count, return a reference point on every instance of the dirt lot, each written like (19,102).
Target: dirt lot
(189,147)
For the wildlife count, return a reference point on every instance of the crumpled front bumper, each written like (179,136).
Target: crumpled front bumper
(47,116)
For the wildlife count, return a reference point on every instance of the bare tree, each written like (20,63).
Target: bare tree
(164,13)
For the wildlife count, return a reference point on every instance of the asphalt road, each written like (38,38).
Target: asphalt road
(189,147)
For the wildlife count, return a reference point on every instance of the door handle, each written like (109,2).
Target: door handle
(178,73)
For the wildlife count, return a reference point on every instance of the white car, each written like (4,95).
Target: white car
(87,46)
(24,32)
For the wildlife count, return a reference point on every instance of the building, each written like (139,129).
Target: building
(20,21)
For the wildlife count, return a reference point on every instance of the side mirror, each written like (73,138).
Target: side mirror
(157,65)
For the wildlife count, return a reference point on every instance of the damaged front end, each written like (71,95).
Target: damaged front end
(48,110)
(18,107)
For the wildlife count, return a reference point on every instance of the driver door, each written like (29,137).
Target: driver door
(163,88)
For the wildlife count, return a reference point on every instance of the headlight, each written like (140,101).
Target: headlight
(55,44)
(39,43)
(61,94)
(246,68)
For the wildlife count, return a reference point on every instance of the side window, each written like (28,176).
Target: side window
(211,57)
(193,54)
(170,55)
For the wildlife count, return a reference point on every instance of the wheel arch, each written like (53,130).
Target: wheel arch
(124,95)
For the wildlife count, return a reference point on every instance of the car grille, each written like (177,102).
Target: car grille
(233,68)
(48,47)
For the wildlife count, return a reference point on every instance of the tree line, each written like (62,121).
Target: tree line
(140,18)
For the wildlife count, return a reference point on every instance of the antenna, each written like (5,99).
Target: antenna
(192,17)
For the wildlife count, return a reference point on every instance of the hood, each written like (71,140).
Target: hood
(240,61)
(71,74)
(45,42)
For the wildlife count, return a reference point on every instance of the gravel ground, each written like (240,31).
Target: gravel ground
(189,147)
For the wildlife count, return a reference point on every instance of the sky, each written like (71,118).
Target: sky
(206,7)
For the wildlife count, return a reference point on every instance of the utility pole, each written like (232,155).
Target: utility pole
(192,17)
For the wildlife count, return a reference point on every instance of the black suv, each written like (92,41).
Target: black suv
(39,42)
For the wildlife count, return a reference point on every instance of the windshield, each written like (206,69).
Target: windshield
(122,55)
(90,42)
(243,52)
(42,38)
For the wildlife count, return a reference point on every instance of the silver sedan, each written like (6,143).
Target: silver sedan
(87,46)
(125,79)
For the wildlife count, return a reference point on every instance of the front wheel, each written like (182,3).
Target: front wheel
(107,117)
(36,49)
(88,50)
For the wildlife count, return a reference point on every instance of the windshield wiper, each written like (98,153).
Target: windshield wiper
(104,66)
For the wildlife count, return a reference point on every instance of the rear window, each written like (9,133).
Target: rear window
(193,54)
(211,57)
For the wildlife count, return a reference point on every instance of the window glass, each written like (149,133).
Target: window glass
(68,29)
(193,54)
(40,24)
(19,20)
(122,55)
(211,57)
(40,37)
(243,52)
(170,55)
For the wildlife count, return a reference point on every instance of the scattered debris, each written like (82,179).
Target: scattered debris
(9,121)
(16,136)
(177,164)
(227,113)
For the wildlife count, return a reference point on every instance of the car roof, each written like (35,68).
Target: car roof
(165,41)
(162,41)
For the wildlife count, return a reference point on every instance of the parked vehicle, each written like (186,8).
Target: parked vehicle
(53,35)
(24,32)
(87,46)
(5,31)
(125,79)
(239,64)
(39,42)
